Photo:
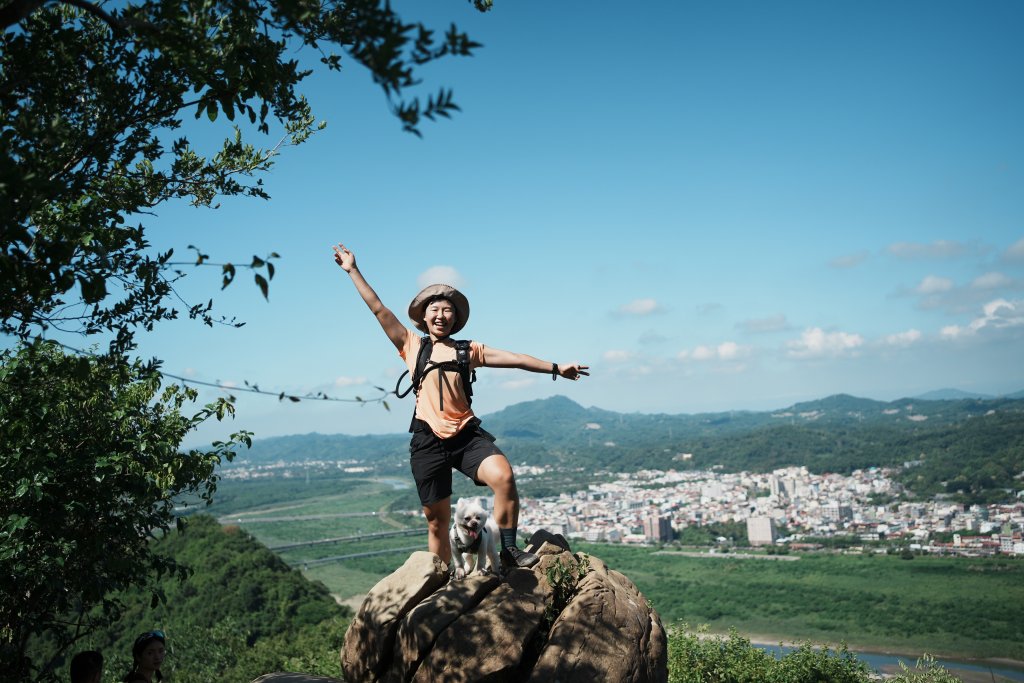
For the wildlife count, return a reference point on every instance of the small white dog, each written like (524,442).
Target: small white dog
(474,539)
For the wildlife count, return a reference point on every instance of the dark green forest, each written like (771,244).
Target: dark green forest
(241,613)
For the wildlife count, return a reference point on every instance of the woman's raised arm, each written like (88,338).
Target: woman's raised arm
(393,327)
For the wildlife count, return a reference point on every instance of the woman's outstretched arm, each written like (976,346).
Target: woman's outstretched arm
(496,358)
(393,327)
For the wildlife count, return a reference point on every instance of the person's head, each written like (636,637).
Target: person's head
(87,667)
(439,310)
(148,653)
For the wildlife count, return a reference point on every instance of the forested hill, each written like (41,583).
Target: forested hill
(242,613)
(971,445)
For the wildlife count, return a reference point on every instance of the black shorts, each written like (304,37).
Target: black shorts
(432,458)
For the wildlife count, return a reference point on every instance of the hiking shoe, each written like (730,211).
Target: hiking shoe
(514,557)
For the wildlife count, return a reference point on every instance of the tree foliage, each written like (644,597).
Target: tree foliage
(90,467)
(93,97)
(697,657)
(241,613)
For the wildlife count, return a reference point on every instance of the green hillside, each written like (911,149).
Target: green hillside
(242,613)
(970,448)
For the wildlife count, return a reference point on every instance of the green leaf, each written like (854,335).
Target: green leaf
(261,282)
(228,270)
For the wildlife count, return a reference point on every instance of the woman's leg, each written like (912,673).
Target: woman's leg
(497,474)
(439,517)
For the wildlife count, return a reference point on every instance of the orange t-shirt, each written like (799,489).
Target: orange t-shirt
(448,422)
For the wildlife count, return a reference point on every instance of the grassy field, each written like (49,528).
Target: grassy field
(326,508)
(953,606)
(957,607)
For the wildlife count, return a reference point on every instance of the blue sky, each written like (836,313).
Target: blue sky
(729,205)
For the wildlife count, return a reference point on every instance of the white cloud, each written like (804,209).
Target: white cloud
(729,350)
(1015,252)
(341,382)
(445,275)
(936,292)
(640,307)
(903,338)
(773,323)
(814,342)
(940,249)
(991,281)
(726,351)
(617,356)
(1004,312)
(933,284)
(849,260)
(703,353)
(952,332)
(995,315)
(189,372)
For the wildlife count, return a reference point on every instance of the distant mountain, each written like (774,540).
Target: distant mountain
(968,444)
(300,447)
(953,395)
(556,428)
(1016,395)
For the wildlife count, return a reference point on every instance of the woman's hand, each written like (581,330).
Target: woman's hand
(573,371)
(344,258)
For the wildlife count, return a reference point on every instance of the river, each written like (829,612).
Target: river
(884,663)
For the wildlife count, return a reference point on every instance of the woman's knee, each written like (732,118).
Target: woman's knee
(438,514)
(497,473)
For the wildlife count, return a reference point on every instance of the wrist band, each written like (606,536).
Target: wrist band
(554,371)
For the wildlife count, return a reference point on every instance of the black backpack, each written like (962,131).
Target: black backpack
(461,364)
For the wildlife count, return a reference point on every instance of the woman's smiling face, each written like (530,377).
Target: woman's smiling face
(439,317)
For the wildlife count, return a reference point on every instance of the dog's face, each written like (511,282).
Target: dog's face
(470,517)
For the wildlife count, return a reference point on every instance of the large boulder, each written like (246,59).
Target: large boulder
(370,639)
(569,619)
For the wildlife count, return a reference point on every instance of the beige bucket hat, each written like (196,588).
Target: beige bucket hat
(419,303)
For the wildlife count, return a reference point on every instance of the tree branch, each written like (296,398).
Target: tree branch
(101,14)
(14,12)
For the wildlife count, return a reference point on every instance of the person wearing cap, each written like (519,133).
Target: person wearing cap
(446,435)
(147,655)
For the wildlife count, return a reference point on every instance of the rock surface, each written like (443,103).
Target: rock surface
(370,639)
(569,619)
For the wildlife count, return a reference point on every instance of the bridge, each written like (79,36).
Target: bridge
(343,539)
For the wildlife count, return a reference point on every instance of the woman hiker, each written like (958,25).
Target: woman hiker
(446,434)
(148,655)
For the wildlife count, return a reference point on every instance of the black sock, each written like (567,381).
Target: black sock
(508,538)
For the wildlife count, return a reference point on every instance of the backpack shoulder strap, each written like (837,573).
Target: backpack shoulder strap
(468,374)
(422,358)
